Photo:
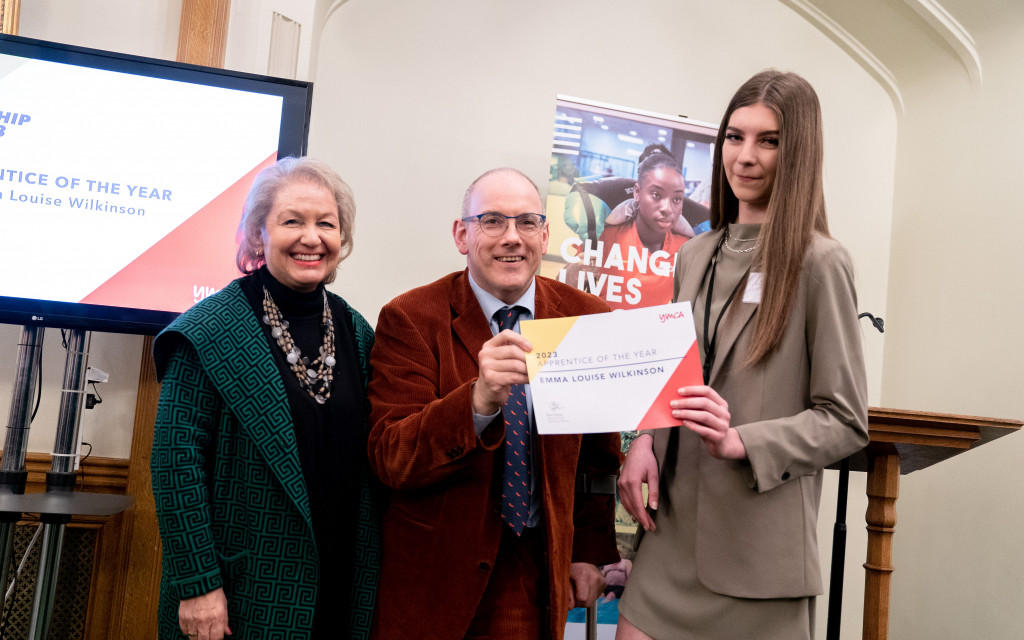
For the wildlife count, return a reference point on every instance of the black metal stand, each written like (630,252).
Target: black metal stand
(12,467)
(837,573)
(60,501)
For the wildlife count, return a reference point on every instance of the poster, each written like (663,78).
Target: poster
(597,217)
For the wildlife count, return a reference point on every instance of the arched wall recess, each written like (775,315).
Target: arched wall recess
(851,46)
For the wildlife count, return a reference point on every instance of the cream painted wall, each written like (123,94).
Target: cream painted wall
(128,26)
(956,302)
(413,100)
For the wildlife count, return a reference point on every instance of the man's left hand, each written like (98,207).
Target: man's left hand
(587,584)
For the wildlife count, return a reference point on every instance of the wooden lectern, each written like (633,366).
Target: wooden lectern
(901,442)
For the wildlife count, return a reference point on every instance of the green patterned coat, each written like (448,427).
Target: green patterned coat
(230,494)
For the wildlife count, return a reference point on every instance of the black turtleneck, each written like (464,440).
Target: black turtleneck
(331,445)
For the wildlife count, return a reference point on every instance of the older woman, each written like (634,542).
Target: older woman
(731,549)
(259,455)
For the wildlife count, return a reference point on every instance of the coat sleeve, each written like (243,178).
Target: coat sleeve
(180,465)
(835,424)
(421,425)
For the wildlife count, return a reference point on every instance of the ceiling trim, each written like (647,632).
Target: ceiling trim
(853,47)
(335,5)
(954,34)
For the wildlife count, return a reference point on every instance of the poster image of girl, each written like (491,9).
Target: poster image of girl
(627,189)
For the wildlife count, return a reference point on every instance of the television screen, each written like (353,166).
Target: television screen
(122,180)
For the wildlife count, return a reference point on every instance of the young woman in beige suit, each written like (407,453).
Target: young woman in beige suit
(730,549)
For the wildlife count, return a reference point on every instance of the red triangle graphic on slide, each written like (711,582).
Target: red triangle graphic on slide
(687,374)
(196,257)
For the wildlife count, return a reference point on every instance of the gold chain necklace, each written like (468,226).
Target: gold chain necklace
(748,250)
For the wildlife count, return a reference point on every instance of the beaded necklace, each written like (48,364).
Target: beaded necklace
(314,376)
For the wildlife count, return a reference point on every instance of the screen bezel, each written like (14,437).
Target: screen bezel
(293,140)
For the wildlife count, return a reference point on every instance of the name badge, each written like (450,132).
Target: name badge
(752,294)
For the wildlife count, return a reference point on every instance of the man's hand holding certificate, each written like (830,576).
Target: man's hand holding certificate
(613,371)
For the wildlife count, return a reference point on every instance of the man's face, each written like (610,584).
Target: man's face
(503,265)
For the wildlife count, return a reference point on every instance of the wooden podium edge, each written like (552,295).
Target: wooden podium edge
(920,439)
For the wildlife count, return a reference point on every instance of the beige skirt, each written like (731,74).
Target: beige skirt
(665,599)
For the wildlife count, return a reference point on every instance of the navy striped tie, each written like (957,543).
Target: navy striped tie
(515,485)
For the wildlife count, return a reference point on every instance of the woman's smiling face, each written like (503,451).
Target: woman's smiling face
(750,153)
(302,235)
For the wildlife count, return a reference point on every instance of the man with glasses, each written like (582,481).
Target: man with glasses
(484,535)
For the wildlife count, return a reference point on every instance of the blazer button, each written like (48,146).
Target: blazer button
(485,566)
(785,475)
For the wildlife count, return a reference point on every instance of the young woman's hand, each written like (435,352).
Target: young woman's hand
(705,413)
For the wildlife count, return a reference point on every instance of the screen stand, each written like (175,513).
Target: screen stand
(12,465)
(60,501)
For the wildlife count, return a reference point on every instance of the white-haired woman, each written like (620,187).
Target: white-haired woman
(259,455)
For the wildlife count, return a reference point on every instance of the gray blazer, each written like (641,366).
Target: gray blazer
(800,410)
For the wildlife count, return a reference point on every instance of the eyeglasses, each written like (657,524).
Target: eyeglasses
(495,224)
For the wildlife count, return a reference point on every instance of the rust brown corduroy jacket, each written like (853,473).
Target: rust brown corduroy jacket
(442,523)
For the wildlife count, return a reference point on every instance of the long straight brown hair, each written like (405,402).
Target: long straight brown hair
(796,208)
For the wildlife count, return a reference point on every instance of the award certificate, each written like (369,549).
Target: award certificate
(611,371)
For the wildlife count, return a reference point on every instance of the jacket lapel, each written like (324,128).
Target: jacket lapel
(251,386)
(470,326)
(547,300)
(736,320)
(696,267)
(739,314)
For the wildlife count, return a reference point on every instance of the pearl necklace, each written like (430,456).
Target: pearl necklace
(748,250)
(316,376)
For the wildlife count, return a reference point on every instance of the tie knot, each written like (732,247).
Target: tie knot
(507,317)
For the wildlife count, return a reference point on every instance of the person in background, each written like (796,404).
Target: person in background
(264,500)
(651,223)
(484,535)
(594,202)
(561,184)
(730,548)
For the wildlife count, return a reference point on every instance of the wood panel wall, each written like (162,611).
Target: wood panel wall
(136,580)
(99,475)
(203,36)
(10,12)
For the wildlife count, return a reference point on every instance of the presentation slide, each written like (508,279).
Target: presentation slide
(124,190)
